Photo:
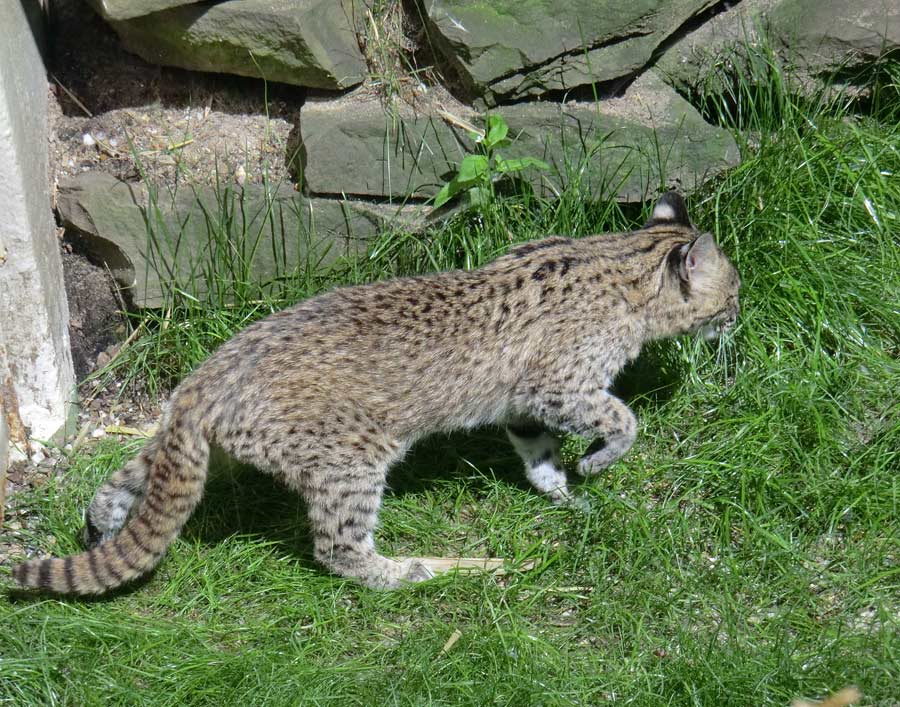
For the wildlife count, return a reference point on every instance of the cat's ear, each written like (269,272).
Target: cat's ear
(697,258)
(669,208)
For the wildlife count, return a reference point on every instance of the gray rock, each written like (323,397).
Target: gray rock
(647,140)
(126,9)
(834,35)
(820,41)
(149,246)
(354,146)
(629,146)
(710,55)
(301,42)
(510,49)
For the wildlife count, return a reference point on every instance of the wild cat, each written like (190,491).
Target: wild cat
(328,394)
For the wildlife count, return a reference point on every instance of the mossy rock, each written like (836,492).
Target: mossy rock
(302,42)
(511,49)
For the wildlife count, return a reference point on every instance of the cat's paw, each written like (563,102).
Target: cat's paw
(565,498)
(593,464)
(415,571)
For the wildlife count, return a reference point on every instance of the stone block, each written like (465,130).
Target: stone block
(628,146)
(151,242)
(126,9)
(301,42)
(508,50)
(822,43)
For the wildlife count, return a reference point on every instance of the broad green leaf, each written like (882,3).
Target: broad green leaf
(479,196)
(496,131)
(447,192)
(473,168)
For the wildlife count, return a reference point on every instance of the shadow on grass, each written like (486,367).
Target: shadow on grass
(17,595)
(239,500)
(651,379)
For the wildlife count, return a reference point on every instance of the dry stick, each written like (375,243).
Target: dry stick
(170,148)
(459,122)
(73,97)
(107,148)
(117,291)
(454,637)
(80,437)
(374,25)
(439,565)
(179,145)
(130,431)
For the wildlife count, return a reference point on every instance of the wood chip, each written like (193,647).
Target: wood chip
(454,637)
(497,565)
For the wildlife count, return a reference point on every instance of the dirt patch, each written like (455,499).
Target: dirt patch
(169,126)
(96,322)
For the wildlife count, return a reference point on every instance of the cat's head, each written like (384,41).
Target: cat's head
(702,281)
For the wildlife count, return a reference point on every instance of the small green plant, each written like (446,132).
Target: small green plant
(478,172)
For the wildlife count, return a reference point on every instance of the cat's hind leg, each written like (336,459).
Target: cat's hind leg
(114,501)
(343,513)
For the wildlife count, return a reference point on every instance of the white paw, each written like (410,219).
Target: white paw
(588,467)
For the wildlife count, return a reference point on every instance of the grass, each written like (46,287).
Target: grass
(744,553)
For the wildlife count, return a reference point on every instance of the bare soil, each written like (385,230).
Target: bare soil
(112,111)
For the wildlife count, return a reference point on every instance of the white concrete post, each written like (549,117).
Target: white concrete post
(36,378)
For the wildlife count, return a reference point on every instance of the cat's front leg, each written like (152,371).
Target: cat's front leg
(598,415)
(613,421)
(539,450)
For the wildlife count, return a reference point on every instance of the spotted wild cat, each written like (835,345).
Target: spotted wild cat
(328,394)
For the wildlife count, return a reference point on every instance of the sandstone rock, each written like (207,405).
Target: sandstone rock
(833,35)
(628,146)
(821,41)
(510,49)
(126,9)
(301,42)
(353,145)
(150,245)
(649,139)
(709,56)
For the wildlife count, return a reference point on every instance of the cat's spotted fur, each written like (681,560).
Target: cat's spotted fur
(328,394)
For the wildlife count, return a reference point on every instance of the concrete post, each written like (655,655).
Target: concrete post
(36,378)
(4,458)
